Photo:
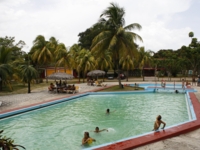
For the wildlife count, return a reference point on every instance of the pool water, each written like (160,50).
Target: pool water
(62,126)
(158,84)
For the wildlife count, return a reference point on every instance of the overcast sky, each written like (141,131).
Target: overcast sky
(165,23)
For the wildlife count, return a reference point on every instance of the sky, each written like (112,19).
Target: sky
(165,23)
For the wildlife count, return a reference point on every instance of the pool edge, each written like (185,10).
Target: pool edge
(161,135)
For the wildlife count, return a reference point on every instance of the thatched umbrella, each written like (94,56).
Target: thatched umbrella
(60,76)
(96,73)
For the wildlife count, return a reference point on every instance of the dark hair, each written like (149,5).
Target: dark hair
(108,110)
(97,127)
(87,133)
(159,117)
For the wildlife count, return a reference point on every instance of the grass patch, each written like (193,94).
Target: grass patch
(117,88)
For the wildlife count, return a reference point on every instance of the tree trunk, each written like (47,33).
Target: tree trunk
(143,73)
(79,80)
(119,78)
(83,77)
(29,87)
(127,76)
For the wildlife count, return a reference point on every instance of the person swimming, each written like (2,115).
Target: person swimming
(108,111)
(97,130)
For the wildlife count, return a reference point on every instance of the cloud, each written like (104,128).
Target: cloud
(65,19)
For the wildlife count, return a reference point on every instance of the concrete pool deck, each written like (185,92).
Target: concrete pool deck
(183,140)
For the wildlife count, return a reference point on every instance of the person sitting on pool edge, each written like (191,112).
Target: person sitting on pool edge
(97,130)
(87,139)
(158,122)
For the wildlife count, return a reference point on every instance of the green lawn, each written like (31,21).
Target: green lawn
(117,88)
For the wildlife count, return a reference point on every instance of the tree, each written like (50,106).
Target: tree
(86,37)
(9,53)
(74,53)
(103,60)
(145,58)
(41,52)
(85,61)
(192,55)
(116,38)
(28,73)
(127,63)
(191,34)
(5,66)
(62,56)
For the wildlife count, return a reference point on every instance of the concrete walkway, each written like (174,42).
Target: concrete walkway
(189,141)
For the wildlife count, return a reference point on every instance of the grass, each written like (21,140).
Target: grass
(117,88)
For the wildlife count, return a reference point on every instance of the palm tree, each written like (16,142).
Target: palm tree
(28,73)
(127,63)
(5,66)
(41,52)
(62,56)
(116,37)
(144,59)
(103,60)
(74,53)
(85,61)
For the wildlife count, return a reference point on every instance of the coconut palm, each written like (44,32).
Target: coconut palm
(145,57)
(85,61)
(116,37)
(74,53)
(40,52)
(62,56)
(28,73)
(5,66)
(127,63)
(104,60)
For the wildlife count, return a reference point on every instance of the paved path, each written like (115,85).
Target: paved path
(189,141)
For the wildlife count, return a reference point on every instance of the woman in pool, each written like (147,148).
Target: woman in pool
(158,122)
(87,139)
(97,130)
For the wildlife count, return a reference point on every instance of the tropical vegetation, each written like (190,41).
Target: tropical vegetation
(8,143)
(108,44)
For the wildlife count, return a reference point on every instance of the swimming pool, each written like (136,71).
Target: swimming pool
(168,85)
(65,123)
(169,88)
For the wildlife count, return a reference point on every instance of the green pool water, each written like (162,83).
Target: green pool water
(62,126)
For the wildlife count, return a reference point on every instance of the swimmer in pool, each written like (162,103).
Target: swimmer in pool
(97,130)
(87,139)
(158,122)
(108,111)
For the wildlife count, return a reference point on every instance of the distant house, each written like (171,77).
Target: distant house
(45,71)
